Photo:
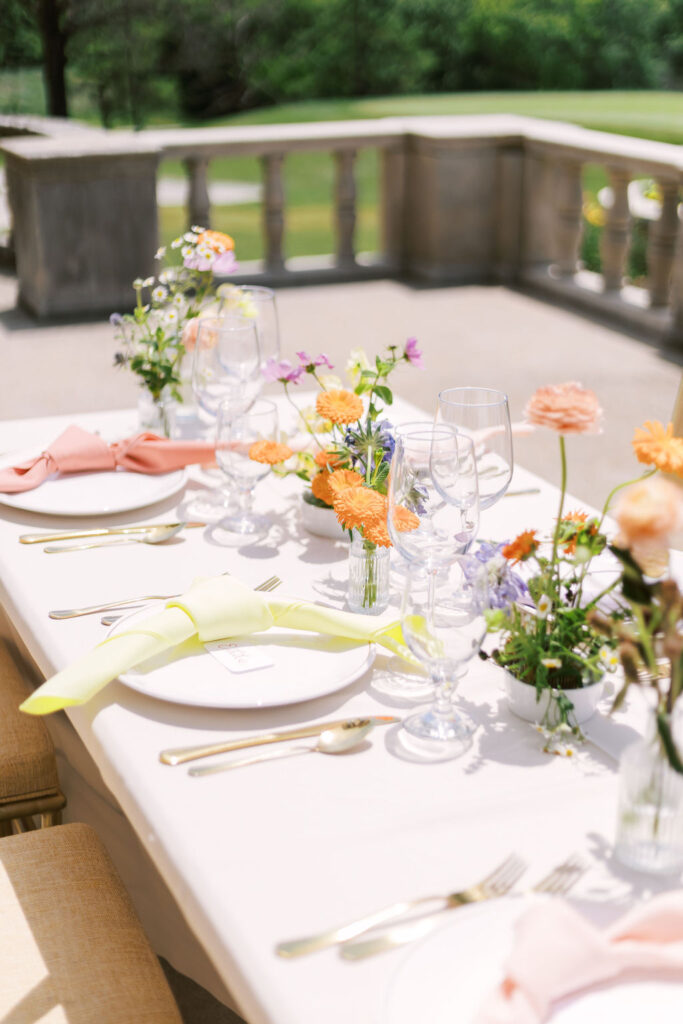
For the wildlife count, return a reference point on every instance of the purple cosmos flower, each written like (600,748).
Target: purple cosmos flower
(310,364)
(387,439)
(413,354)
(115,319)
(281,370)
(223,264)
(504,586)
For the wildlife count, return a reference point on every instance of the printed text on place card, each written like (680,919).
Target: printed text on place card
(238,658)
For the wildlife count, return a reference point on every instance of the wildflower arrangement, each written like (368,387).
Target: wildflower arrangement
(554,637)
(163,325)
(350,446)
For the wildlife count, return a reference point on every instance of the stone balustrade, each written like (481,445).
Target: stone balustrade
(479,198)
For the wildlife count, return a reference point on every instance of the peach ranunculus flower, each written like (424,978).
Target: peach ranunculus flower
(339,406)
(649,514)
(217,241)
(567,408)
(270,452)
(655,445)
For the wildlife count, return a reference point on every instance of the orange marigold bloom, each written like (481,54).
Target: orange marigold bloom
(270,452)
(404,520)
(327,460)
(566,408)
(339,406)
(577,519)
(216,241)
(378,534)
(356,506)
(340,479)
(656,445)
(521,547)
(320,487)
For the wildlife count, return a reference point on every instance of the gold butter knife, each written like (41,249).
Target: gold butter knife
(39,538)
(179,755)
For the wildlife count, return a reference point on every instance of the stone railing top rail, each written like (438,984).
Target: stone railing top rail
(30,124)
(566,141)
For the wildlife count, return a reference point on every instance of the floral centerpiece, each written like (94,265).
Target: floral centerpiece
(549,637)
(163,325)
(348,452)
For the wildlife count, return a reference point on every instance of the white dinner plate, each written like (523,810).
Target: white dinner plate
(92,494)
(304,665)
(448,976)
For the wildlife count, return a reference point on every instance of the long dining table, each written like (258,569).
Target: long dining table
(223,868)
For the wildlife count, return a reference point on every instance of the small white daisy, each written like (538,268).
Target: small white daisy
(166,276)
(160,293)
(171,316)
(178,301)
(148,282)
(543,605)
(206,253)
(186,251)
(138,283)
(190,236)
(551,662)
(609,658)
(160,253)
(197,230)
(176,243)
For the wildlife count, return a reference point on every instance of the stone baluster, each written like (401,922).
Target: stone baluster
(198,202)
(662,245)
(273,210)
(345,199)
(568,224)
(676,300)
(616,236)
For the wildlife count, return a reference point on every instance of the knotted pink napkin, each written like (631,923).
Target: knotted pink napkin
(77,451)
(558,953)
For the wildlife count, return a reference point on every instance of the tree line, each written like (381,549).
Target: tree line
(209,58)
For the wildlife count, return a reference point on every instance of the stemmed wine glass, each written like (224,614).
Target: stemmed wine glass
(484,415)
(258,303)
(226,367)
(434,477)
(444,626)
(236,436)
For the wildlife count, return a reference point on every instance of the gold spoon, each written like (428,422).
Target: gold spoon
(332,741)
(155,535)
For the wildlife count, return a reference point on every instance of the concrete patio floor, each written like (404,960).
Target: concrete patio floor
(469,335)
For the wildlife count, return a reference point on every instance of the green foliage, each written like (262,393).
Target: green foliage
(19,34)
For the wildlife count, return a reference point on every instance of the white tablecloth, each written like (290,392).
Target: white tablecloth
(281,850)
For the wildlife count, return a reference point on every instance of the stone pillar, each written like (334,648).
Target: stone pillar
(84,217)
(392,204)
(677,307)
(345,207)
(568,209)
(662,245)
(538,210)
(509,192)
(616,235)
(273,211)
(198,201)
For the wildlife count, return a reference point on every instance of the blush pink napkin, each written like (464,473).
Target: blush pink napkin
(77,451)
(558,953)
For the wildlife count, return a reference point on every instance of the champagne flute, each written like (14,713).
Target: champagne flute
(484,415)
(434,477)
(444,626)
(236,436)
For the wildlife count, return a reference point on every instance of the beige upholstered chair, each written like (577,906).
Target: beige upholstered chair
(72,950)
(28,772)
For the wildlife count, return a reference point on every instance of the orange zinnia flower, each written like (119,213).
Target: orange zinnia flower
(327,460)
(655,445)
(356,506)
(404,520)
(378,534)
(521,547)
(270,452)
(216,241)
(578,520)
(340,479)
(320,487)
(339,406)
(566,408)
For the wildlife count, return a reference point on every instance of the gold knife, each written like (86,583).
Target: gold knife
(39,538)
(179,755)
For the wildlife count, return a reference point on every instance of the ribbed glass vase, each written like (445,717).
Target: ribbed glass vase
(368,588)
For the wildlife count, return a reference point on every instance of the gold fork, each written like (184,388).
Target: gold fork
(560,880)
(272,583)
(495,884)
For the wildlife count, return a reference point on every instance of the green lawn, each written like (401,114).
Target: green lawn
(309,178)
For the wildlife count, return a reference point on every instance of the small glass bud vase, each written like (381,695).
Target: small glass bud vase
(368,577)
(650,816)
(157,414)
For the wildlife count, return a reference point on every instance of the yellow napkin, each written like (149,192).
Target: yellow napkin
(212,609)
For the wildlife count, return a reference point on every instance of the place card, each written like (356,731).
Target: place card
(239,658)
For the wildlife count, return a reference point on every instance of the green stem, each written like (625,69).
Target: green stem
(301,416)
(627,483)
(563,489)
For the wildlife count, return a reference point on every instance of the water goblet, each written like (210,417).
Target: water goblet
(258,303)
(484,415)
(434,477)
(236,436)
(443,625)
